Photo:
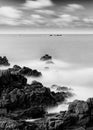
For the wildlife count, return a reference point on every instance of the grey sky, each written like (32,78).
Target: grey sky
(42,14)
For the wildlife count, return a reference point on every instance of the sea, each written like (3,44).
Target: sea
(72,61)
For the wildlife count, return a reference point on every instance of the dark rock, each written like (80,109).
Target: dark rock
(46,57)
(39,95)
(70,120)
(8,124)
(32,112)
(36,73)
(78,107)
(16,67)
(4,61)
(25,71)
(61,96)
(10,81)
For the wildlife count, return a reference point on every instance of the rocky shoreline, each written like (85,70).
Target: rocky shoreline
(20,101)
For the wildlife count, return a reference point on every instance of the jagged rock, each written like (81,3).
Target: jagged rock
(40,96)
(16,67)
(4,61)
(46,57)
(25,71)
(10,81)
(32,112)
(78,107)
(36,73)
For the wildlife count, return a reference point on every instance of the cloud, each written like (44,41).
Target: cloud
(88,20)
(74,7)
(45,11)
(9,12)
(8,21)
(10,16)
(30,4)
(68,18)
(65,20)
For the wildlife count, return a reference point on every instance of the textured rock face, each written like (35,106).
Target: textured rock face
(17,95)
(19,100)
(4,61)
(78,107)
(10,81)
(46,57)
(25,71)
(32,112)
(39,95)
(8,124)
(78,117)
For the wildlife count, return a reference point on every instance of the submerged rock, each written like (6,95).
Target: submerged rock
(46,57)
(49,62)
(4,61)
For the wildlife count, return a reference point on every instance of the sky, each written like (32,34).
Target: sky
(29,15)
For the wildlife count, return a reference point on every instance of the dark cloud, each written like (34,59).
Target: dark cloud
(72,1)
(6,2)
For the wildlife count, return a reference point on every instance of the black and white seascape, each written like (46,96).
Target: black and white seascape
(46,82)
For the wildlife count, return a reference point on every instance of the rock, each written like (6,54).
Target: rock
(35,84)
(32,112)
(69,120)
(8,124)
(25,71)
(81,109)
(61,96)
(16,67)
(40,96)
(10,81)
(49,62)
(90,102)
(60,88)
(63,89)
(78,107)
(4,61)
(36,73)
(46,57)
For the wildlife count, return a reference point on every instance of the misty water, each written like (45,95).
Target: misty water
(62,74)
(72,61)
